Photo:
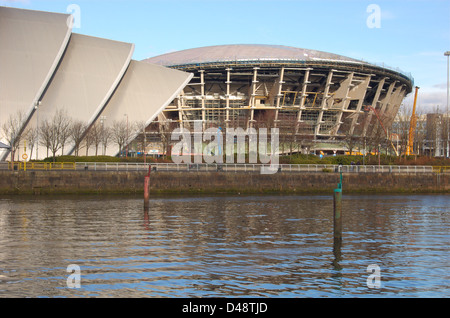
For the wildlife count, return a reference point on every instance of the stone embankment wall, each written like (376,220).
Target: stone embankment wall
(109,182)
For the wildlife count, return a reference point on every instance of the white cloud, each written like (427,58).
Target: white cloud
(440,86)
(428,100)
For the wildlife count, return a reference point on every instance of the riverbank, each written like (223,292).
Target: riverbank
(172,182)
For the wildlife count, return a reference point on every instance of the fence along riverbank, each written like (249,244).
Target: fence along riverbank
(291,168)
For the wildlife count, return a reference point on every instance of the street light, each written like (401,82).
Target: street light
(102,121)
(126,155)
(36,107)
(447,54)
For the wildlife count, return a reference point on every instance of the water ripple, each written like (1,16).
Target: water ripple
(258,246)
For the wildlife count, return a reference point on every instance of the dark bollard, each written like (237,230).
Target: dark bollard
(337,220)
(147,189)
(146,192)
(337,205)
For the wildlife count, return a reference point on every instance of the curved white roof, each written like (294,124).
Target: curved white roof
(86,78)
(144,92)
(242,52)
(41,60)
(31,45)
(89,72)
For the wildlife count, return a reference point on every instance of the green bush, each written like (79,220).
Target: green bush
(83,159)
(294,159)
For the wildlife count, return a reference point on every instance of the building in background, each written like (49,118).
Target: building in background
(436,137)
(318,100)
(430,134)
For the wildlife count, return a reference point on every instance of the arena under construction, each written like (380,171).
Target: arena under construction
(316,99)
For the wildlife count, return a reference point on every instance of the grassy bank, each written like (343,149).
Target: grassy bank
(368,160)
(293,159)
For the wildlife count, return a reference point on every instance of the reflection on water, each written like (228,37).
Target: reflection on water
(224,246)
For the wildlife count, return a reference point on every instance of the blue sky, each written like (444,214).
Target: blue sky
(412,34)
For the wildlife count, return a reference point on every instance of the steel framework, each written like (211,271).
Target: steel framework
(315,99)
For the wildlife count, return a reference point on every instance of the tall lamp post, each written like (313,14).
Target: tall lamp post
(102,121)
(36,107)
(447,54)
(126,155)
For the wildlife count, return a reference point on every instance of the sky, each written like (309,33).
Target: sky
(411,35)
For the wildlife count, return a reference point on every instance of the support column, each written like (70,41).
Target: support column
(387,99)
(395,104)
(360,103)
(228,82)
(180,109)
(324,101)
(302,101)
(345,102)
(278,97)
(390,95)
(253,97)
(374,103)
(383,109)
(202,88)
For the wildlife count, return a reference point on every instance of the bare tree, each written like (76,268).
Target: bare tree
(31,138)
(96,135)
(11,131)
(350,138)
(351,141)
(45,135)
(76,134)
(402,127)
(88,140)
(55,132)
(105,137)
(64,124)
(436,132)
(140,127)
(420,132)
(119,134)
(445,134)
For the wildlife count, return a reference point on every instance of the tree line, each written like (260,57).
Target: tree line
(59,132)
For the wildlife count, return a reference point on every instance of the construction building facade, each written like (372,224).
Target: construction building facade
(307,94)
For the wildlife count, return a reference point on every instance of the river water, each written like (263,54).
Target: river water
(224,246)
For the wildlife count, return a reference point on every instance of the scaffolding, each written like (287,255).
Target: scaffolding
(316,102)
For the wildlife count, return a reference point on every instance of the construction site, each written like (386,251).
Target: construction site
(319,101)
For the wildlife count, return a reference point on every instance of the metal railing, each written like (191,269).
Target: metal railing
(24,166)
(234,168)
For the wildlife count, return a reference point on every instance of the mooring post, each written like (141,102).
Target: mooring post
(337,209)
(147,188)
(337,214)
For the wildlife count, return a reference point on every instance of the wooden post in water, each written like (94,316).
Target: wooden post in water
(147,189)
(337,204)
(337,209)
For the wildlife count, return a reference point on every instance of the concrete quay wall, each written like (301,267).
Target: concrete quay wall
(132,182)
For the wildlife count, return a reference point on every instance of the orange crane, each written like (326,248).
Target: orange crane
(412,127)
